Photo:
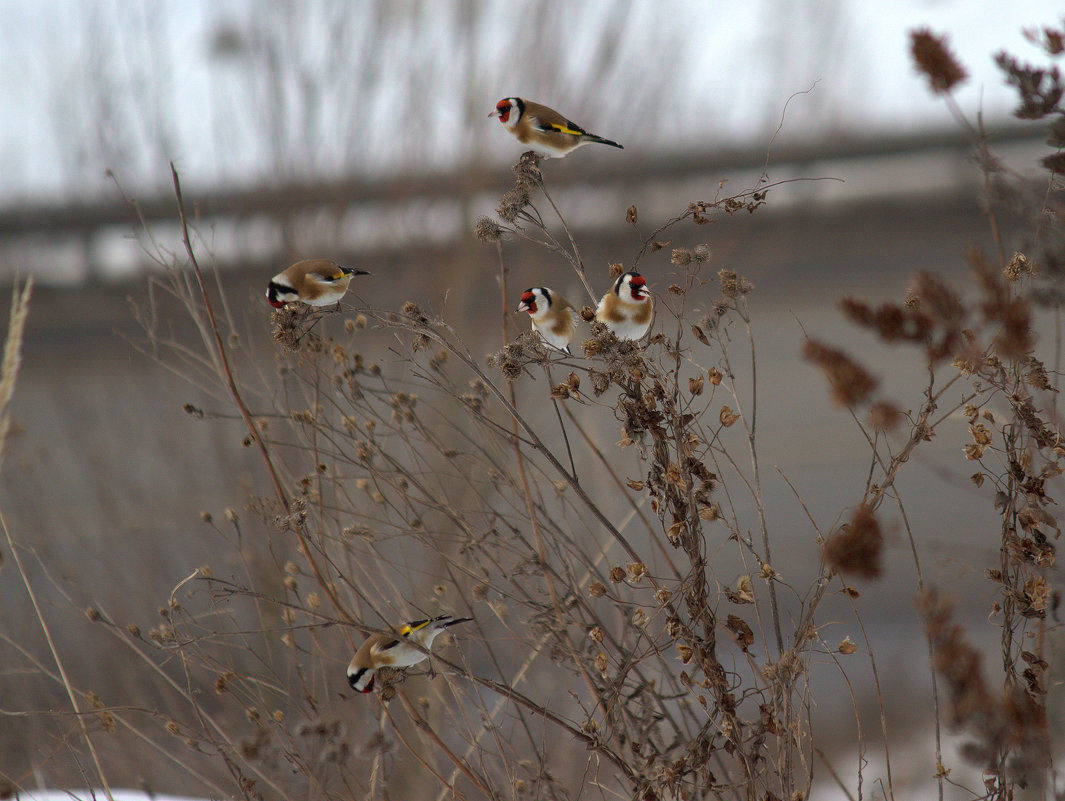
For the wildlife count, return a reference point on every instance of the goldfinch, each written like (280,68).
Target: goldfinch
(383,650)
(627,309)
(552,316)
(544,130)
(316,282)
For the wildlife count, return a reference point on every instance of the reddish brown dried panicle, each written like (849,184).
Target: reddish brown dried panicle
(884,416)
(935,61)
(1050,40)
(1040,90)
(892,323)
(849,381)
(856,547)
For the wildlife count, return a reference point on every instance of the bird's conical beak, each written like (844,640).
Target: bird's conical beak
(523,306)
(494,113)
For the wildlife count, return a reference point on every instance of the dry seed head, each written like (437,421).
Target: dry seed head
(596,634)
(487,230)
(727,416)
(685,653)
(849,381)
(636,570)
(513,202)
(732,284)
(701,253)
(847,647)
(681,257)
(663,595)
(615,270)
(640,618)
(695,385)
(231,515)
(617,573)
(674,532)
(600,382)
(1037,593)
(92,614)
(1018,266)
(715,376)
(592,347)
(935,61)
(856,548)
(601,663)
(597,589)
(745,589)
(884,416)
(289,582)
(206,516)
(223,680)
(413,310)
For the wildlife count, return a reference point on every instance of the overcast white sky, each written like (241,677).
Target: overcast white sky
(129,84)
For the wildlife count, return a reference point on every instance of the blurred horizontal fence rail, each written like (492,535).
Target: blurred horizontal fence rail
(80,241)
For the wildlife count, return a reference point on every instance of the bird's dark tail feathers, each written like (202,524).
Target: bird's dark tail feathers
(602,141)
(457,620)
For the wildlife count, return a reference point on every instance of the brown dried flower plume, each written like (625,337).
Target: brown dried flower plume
(850,382)
(935,61)
(856,548)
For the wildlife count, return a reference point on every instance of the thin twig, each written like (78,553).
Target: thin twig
(326,586)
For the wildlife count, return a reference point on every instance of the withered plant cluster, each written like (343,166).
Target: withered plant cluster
(581,509)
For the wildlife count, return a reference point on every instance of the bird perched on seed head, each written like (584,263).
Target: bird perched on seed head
(384,650)
(316,282)
(543,129)
(552,316)
(627,308)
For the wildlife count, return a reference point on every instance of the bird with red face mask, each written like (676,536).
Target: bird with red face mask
(552,316)
(627,309)
(544,130)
